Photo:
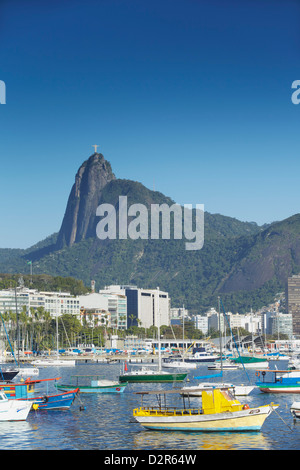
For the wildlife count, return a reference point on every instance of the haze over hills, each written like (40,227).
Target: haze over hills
(244,263)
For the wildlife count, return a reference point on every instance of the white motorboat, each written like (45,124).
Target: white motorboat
(236,390)
(224,365)
(202,356)
(174,363)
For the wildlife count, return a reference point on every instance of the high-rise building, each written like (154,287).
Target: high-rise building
(293,301)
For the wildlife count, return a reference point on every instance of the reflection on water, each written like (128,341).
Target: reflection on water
(107,423)
(200,441)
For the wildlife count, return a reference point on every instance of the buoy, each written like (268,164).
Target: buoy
(82,408)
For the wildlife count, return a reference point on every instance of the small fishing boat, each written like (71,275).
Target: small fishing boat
(219,412)
(13,410)
(278,381)
(26,391)
(96,384)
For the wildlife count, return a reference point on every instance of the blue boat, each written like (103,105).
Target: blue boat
(278,381)
(46,401)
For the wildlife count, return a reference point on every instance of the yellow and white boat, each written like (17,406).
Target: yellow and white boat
(219,412)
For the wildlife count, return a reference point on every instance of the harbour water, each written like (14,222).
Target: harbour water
(106,421)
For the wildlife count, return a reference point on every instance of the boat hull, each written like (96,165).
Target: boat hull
(179,365)
(245,420)
(59,401)
(89,389)
(274,388)
(54,363)
(236,390)
(161,378)
(13,410)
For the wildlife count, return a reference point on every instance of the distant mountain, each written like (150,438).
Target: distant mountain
(244,263)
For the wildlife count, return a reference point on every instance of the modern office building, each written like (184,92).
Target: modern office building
(145,307)
(292,298)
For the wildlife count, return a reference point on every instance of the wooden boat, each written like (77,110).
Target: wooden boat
(26,391)
(13,410)
(97,384)
(278,381)
(219,412)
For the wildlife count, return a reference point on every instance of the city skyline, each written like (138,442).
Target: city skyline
(192,99)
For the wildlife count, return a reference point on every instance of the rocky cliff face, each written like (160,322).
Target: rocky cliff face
(79,221)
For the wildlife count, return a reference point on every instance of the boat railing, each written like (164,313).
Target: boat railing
(153,411)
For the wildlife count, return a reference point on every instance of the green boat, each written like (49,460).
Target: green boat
(251,361)
(145,374)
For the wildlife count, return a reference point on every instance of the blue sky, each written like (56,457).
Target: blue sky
(192,97)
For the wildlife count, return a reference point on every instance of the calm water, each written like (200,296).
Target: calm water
(105,423)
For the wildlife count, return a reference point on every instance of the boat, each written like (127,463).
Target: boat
(96,384)
(201,355)
(223,365)
(8,374)
(54,362)
(219,412)
(278,381)
(236,390)
(295,409)
(26,391)
(146,374)
(13,410)
(177,363)
(28,371)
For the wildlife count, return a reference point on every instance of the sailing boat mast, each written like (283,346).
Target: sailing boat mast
(158,331)
(57,334)
(220,337)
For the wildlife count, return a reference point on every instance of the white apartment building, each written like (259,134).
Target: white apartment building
(250,321)
(201,323)
(56,303)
